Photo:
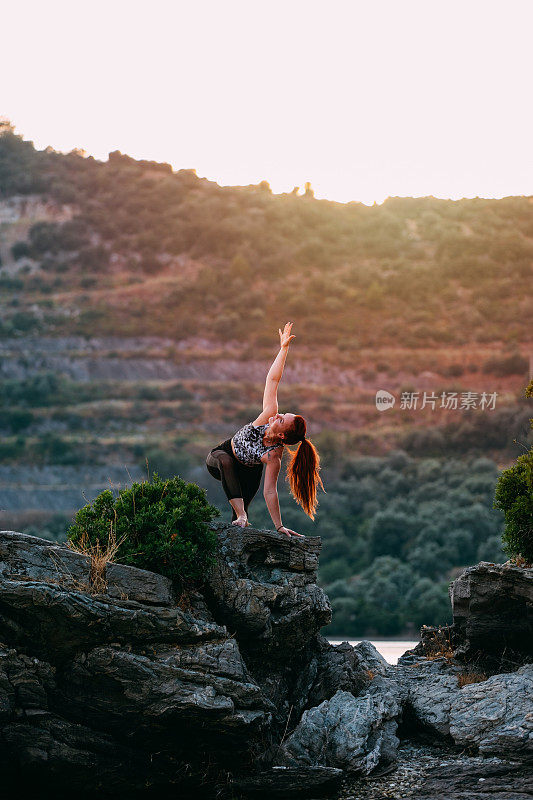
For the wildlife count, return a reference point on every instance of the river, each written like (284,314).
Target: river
(390,649)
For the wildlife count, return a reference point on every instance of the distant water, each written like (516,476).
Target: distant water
(390,649)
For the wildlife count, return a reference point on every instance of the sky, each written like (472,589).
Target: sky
(363,99)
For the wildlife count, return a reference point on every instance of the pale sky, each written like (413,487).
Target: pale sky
(364,99)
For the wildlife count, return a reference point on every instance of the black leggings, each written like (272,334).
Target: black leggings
(237,479)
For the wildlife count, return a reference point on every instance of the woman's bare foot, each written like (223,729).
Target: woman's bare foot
(241,521)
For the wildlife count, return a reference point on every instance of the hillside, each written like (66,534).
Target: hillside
(139,309)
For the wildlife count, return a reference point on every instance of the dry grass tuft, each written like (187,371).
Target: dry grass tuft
(440,646)
(184,600)
(100,557)
(465,678)
(520,561)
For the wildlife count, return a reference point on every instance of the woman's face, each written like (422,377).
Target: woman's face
(280,423)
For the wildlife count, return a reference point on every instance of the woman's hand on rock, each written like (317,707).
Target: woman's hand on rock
(285,337)
(289,532)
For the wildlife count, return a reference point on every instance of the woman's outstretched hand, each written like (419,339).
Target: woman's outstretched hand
(290,533)
(285,337)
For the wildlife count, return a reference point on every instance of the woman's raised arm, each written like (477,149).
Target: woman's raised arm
(270,396)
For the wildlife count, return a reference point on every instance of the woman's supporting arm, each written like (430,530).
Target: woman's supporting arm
(272,501)
(270,488)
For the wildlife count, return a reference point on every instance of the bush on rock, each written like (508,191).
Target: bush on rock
(158,525)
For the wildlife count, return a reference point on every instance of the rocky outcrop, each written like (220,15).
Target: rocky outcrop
(114,687)
(125,670)
(492,715)
(496,715)
(492,608)
(356,734)
(430,687)
(474,781)
(264,588)
(297,782)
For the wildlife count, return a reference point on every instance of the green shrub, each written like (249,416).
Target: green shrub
(20,250)
(17,419)
(160,525)
(514,496)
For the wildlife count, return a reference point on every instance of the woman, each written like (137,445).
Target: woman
(238,462)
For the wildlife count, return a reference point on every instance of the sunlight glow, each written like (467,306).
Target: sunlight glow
(364,99)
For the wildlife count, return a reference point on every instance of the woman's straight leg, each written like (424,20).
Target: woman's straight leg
(250,483)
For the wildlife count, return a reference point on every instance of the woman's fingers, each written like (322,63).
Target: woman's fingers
(285,335)
(290,533)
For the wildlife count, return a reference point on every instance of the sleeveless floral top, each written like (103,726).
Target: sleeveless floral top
(248,444)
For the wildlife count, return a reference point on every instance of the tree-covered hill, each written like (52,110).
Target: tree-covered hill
(138,316)
(142,249)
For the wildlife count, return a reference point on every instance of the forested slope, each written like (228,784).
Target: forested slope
(139,309)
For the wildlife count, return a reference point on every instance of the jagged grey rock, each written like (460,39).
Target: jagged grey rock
(165,688)
(24,684)
(263,587)
(55,623)
(129,688)
(492,608)
(331,668)
(347,732)
(430,687)
(496,715)
(371,660)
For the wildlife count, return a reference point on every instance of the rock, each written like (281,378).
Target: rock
(430,687)
(295,782)
(352,733)
(477,782)
(496,715)
(263,587)
(164,691)
(129,688)
(23,556)
(331,668)
(493,610)
(54,623)
(24,684)
(371,660)
(37,752)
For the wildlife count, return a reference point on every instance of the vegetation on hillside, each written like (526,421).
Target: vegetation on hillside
(149,250)
(514,496)
(382,295)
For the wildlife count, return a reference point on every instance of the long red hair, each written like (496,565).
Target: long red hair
(303,467)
